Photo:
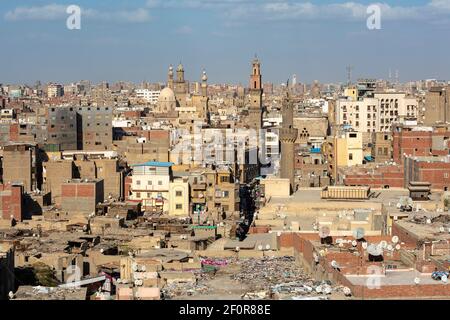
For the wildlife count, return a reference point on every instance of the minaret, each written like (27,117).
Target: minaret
(180,73)
(256,92)
(170,81)
(204,84)
(288,135)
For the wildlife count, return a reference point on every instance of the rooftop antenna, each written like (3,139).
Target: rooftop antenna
(349,74)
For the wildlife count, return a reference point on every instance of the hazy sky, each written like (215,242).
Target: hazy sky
(137,40)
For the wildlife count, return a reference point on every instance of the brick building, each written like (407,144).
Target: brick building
(82,196)
(11,202)
(435,170)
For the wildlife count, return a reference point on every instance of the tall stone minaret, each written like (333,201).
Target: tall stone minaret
(288,135)
(255,108)
(204,84)
(170,76)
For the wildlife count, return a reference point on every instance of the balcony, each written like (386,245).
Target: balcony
(199,186)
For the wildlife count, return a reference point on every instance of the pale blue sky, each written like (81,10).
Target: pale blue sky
(136,40)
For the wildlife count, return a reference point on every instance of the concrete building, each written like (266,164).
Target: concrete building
(82,195)
(18,166)
(376,114)
(382,150)
(150,185)
(179,198)
(149,96)
(55,90)
(57,128)
(95,128)
(343,150)
(437,105)
(83,165)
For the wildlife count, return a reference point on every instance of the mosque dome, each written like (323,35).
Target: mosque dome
(167,95)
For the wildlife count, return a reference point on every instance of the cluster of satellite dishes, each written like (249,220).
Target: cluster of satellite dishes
(262,248)
(138,268)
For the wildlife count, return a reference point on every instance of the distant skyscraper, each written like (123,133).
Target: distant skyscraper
(294,80)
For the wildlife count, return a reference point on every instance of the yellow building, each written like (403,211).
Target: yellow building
(179,198)
(343,150)
(351,92)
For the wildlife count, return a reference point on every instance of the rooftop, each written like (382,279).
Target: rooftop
(155,164)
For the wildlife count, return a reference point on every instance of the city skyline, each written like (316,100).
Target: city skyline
(136,42)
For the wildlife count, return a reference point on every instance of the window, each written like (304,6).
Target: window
(226,194)
(350,156)
(149,182)
(138,195)
(179,206)
(138,182)
(160,183)
(179,194)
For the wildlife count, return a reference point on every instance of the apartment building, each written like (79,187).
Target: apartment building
(149,96)
(153,184)
(376,114)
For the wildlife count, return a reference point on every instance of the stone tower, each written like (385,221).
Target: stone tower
(170,76)
(288,135)
(255,107)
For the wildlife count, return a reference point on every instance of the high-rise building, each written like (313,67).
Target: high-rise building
(55,90)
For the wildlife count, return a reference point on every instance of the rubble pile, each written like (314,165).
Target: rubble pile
(178,289)
(280,278)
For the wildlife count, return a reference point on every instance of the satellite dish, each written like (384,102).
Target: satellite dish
(364,245)
(324,232)
(428,221)
(417,280)
(143,268)
(383,244)
(347,291)
(134,267)
(395,239)
(11,295)
(260,247)
(398,247)
(359,233)
(279,234)
(119,281)
(375,250)
(268,247)
(354,243)
(390,247)
(341,245)
(237,249)
(334,264)
(327,289)
(319,289)
(102,250)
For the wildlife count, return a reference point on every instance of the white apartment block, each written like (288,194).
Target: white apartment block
(376,114)
(150,96)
